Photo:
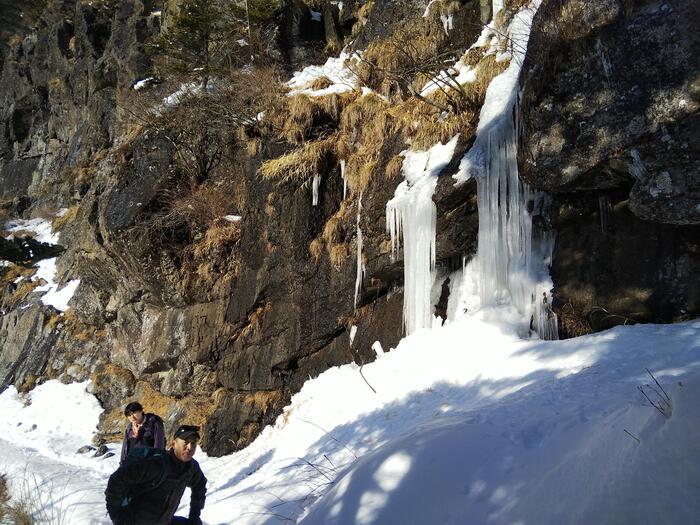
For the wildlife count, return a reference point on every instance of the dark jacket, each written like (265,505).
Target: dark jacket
(152,434)
(158,506)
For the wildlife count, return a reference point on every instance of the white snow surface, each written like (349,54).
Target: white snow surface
(41,230)
(469,424)
(342,78)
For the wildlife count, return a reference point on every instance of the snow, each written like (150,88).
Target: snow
(411,214)
(141,84)
(185,90)
(41,230)
(468,420)
(342,78)
(232,218)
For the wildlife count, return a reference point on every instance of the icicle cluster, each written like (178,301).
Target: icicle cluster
(513,263)
(411,215)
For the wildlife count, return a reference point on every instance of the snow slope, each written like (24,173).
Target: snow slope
(470,424)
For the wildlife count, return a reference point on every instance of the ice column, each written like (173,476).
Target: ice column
(316,183)
(345,181)
(360,266)
(411,215)
(513,262)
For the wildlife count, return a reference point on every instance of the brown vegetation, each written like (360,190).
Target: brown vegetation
(300,165)
(573,320)
(81,331)
(58,223)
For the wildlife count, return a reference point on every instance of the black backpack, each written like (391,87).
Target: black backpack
(139,454)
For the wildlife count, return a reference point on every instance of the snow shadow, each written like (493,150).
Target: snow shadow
(429,447)
(252,467)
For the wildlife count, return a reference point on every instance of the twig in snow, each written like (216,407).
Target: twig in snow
(668,398)
(332,437)
(363,377)
(632,435)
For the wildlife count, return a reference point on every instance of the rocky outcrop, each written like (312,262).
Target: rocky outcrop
(610,123)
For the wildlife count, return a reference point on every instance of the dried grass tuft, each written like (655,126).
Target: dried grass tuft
(59,222)
(301,164)
(322,82)
(393,167)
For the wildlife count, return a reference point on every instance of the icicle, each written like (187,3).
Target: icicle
(360,266)
(345,181)
(447,23)
(512,262)
(411,215)
(317,181)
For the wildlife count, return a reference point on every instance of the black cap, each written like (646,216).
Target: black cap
(186,432)
(132,407)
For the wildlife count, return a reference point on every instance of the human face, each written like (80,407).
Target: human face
(136,417)
(184,449)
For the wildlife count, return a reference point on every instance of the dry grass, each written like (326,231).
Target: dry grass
(255,319)
(24,288)
(264,400)
(81,331)
(301,164)
(59,222)
(11,273)
(338,253)
(445,7)
(301,118)
(393,167)
(222,235)
(573,320)
(409,57)
(316,249)
(321,82)
(209,263)
(29,504)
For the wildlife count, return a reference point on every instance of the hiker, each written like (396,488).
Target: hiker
(143,430)
(148,491)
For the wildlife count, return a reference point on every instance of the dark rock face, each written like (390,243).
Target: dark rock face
(610,125)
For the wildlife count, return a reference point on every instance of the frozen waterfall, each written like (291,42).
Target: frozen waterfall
(411,215)
(513,260)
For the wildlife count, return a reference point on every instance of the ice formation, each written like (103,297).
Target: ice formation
(360,266)
(411,215)
(512,258)
(315,185)
(345,181)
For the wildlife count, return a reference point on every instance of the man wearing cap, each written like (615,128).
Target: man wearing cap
(143,430)
(153,487)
